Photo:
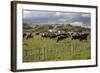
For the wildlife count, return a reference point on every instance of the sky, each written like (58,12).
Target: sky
(53,17)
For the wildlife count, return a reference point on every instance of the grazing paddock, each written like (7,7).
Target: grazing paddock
(45,49)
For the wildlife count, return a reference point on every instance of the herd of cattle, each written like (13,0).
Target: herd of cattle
(59,37)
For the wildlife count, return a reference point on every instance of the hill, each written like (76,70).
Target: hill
(46,27)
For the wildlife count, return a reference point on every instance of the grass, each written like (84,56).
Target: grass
(44,49)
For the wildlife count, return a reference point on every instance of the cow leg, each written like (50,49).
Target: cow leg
(58,40)
(80,39)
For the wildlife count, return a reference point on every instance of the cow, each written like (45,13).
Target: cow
(83,37)
(70,33)
(37,33)
(29,36)
(80,36)
(74,37)
(62,37)
(52,35)
(24,35)
(44,35)
(49,35)
(55,35)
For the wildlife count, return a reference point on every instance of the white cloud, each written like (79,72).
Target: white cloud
(35,14)
(85,15)
(77,23)
(26,14)
(74,18)
(39,14)
(57,13)
(62,19)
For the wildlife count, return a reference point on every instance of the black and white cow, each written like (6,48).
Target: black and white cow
(30,35)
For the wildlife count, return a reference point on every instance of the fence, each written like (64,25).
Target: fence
(54,54)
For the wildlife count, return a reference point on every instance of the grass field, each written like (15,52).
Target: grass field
(44,49)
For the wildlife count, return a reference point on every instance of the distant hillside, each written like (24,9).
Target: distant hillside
(46,27)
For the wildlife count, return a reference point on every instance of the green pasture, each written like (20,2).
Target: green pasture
(44,49)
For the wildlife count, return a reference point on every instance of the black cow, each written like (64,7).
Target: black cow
(62,37)
(37,33)
(52,35)
(80,37)
(24,34)
(74,37)
(83,37)
(29,36)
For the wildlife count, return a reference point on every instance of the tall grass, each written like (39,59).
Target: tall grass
(44,49)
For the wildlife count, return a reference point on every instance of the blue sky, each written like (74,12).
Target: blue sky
(52,17)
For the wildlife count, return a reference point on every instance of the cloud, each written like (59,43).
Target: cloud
(62,19)
(35,14)
(26,14)
(77,23)
(57,13)
(85,15)
(32,17)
